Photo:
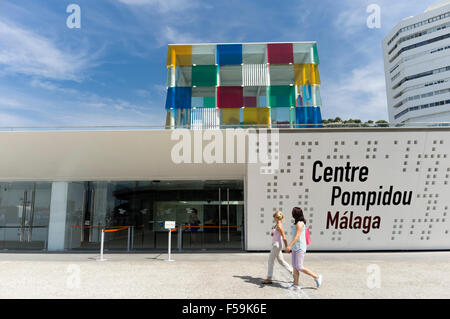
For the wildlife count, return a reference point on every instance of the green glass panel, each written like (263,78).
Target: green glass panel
(281,96)
(209,101)
(315,54)
(204,75)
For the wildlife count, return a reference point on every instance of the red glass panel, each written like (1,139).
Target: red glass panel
(230,96)
(280,53)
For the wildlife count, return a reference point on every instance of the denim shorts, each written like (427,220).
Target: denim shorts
(297,259)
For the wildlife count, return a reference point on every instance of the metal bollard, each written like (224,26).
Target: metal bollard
(169,248)
(102,245)
(180,238)
(129,239)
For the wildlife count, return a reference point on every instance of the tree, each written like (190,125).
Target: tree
(382,123)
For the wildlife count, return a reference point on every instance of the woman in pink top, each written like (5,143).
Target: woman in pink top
(278,236)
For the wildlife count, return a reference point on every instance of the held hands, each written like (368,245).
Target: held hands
(288,250)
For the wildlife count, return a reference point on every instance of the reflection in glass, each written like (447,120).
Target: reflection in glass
(24,215)
(210,214)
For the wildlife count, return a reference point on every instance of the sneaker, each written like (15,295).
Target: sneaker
(267,282)
(318,281)
(294,287)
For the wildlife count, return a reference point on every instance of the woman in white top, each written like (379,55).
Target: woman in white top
(298,247)
(277,247)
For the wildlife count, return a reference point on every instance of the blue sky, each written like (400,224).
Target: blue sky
(112,70)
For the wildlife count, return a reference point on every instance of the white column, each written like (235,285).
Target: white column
(58,211)
(100,207)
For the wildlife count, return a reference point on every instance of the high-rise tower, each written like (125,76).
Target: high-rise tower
(417,67)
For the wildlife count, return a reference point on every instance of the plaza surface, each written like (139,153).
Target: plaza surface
(222,275)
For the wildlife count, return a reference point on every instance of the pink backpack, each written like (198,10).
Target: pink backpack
(308,237)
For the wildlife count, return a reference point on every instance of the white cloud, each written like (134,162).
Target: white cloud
(11,120)
(26,52)
(9,102)
(352,14)
(37,83)
(163,5)
(360,94)
(170,34)
(59,106)
(158,89)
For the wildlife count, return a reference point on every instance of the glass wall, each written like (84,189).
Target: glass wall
(208,214)
(24,215)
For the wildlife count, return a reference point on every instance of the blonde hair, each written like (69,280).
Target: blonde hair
(278,215)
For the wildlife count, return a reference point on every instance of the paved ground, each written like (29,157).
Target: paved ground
(214,275)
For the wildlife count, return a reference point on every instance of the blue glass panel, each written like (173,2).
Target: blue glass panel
(317,117)
(301,117)
(262,101)
(229,54)
(178,97)
(170,98)
(197,101)
(308,116)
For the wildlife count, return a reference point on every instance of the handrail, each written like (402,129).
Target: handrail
(219,126)
(187,226)
(116,229)
(106,227)
(24,226)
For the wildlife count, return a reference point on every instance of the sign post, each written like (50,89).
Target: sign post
(169,225)
(102,245)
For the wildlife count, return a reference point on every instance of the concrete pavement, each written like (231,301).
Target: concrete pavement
(222,275)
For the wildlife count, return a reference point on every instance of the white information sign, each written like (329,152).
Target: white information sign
(169,224)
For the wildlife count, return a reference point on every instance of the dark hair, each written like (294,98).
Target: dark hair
(298,216)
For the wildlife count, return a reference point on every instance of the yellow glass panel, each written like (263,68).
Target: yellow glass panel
(307,73)
(231,115)
(256,115)
(179,55)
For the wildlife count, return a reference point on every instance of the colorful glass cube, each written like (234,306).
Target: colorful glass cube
(274,84)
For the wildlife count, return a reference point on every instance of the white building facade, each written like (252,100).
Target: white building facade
(417,67)
(359,188)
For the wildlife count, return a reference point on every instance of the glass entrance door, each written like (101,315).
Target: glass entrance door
(24,215)
(221,225)
(208,213)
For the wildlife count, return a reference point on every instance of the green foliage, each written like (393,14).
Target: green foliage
(355,122)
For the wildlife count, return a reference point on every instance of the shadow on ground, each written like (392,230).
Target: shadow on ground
(258,282)
(156,257)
